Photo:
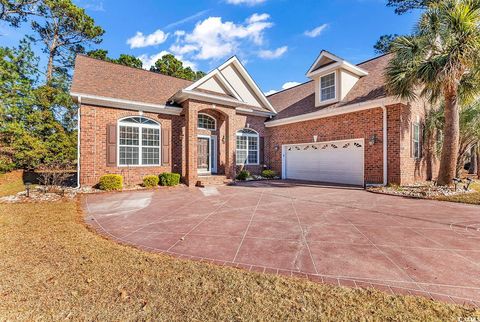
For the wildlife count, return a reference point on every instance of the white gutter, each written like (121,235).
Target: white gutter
(328,112)
(126,104)
(385,145)
(78,141)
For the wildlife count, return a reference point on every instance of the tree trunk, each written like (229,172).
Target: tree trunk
(49,68)
(448,159)
(478,160)
(473,160)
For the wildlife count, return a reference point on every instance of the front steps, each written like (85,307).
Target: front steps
(212,180)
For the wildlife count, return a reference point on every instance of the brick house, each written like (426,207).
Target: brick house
(340,127)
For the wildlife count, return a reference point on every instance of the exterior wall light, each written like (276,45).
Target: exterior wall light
(315,138)
(373,139)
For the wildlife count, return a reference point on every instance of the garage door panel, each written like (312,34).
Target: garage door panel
(336,162)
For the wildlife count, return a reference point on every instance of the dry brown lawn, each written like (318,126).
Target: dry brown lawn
(53,267)
(471,198)
(11,183)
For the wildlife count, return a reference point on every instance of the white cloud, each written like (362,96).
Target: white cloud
(272,54)
(258,17)
(150,60)
(140,40)
(286,85)
(315,32)
(213,38)
(247,2)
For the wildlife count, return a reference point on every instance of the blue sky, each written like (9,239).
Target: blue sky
(277,40)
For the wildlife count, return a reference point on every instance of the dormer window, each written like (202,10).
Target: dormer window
(327,87)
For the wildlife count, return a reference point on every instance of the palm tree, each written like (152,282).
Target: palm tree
(440,61)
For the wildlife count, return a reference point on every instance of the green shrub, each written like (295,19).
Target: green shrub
(269,174)
(6,165)
(110,182)
(151,181)
(243,175)
(169,179)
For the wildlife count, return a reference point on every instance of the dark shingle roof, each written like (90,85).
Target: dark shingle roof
(301,99)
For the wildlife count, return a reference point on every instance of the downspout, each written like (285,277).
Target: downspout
(78,140)
(385,145)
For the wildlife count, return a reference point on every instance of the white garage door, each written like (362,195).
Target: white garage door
(334,162)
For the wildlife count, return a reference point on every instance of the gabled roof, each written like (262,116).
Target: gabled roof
(105,79)
(300,99)
(328,61)
(232,82)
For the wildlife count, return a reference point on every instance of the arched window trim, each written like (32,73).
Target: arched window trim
(211,117)
(241,133)
(140,146)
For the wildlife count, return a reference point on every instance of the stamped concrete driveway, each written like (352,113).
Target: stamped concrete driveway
(336,235)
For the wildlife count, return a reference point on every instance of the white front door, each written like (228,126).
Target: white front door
(333,162)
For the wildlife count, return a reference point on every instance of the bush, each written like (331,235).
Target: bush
(151,181)
(169,179)
(243,175)
(110,182)
(6,165)
(269,174)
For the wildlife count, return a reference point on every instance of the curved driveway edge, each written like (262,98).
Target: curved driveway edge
(343,236)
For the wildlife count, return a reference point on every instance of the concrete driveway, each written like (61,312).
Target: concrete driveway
(337,235)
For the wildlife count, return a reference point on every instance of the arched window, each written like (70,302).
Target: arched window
(247,147)
(138,141)
(206,122)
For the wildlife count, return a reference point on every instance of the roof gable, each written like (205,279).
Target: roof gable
(231,79)
(327,61)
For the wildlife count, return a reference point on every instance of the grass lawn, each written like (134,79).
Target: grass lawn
(472,198)
(11,183)
(52,267)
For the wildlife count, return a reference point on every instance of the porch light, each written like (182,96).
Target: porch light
(223,139)
(276,147)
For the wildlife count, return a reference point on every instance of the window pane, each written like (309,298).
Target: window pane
(150,156)
(128,155)
(252,157)
(252,143)
(242,142)
(328,80)
(241,156)
(327,87)
(416,132)
(206,122)
(128,135)
(150,137)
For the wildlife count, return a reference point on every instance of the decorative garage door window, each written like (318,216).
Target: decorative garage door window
(139,141)
(206,122)
(323,146)
(247,147)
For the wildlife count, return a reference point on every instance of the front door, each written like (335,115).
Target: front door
(203,150)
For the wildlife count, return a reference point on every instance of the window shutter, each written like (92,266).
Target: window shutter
(262,149)
(165,146)
(111,145)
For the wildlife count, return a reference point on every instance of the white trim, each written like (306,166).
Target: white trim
(214,152)
(184,94)
(334,111)
(284,146)
(330,100)
(248,111)
(209,137)
(126,104)
(256,135)
(78,141)
(140,143)
(214,122)
(221,78)
(339,63)
(385,145)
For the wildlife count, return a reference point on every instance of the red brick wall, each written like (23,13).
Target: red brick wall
(93,133)
(347,126)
